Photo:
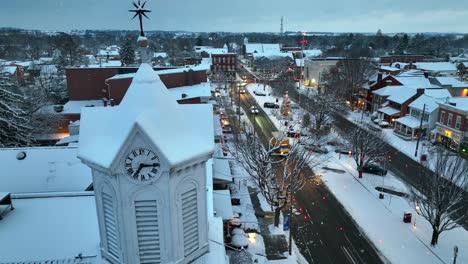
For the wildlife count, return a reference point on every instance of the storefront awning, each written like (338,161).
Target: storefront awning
(222,204)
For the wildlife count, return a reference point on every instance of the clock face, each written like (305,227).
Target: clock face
(142,165)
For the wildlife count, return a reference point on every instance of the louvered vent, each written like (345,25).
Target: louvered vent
(190,224)
(146,212)
(112,236)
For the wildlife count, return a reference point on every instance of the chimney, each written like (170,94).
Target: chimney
(419,91)
(379,77)
(426,74)
(104,101)
(184,95)
(411,65)
(111,102)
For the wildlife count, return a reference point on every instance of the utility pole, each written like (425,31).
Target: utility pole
(455,254)
(420,130)
(281,28)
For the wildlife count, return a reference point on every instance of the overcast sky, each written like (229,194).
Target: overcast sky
(242,15)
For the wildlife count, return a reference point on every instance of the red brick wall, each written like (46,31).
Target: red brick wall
(463,126)
(88,83)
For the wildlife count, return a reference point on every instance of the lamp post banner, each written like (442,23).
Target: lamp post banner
(285,222)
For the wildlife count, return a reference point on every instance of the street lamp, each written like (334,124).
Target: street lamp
(416,216)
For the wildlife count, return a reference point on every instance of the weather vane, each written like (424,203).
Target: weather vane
(140,11)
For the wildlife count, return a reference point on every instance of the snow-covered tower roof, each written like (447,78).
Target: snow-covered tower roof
(180,132)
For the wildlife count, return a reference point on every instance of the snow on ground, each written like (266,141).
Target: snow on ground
(382,219)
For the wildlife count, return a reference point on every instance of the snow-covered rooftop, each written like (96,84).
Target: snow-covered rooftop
(410,121)
(438,93)
(388,68)
(192,91)
(452,81)
(429,101)
(50,230)
(460,103)
(389,110)
(44,169)
(272,55)
(299,62)
(180,132)
(262,48)
(400,96)
(436,66)
(312,53)
(160,54)
(411,73)
(388,90)
(415,82)
(8,69)
(75,107)
(218,130)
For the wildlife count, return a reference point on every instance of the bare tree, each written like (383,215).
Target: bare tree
(320,108)
(366,147)
(344,79)
(277,178)
(442,195)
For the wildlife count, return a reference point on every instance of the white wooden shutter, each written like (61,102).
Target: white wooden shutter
(112,235)
(146,212)
(190,221)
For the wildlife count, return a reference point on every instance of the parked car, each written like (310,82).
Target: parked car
(242,90)
(254,110)
(344,151)
(317,149)
(259,93)
(270,105)
(374,169)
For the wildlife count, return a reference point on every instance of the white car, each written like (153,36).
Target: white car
(259,93)
(254,110)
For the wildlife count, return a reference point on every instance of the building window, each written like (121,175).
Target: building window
(450,118)
(442,117)
(458,122)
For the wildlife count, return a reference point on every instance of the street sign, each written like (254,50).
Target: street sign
(285,222)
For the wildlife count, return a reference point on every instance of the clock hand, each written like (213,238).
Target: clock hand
(150,165)
(137,171)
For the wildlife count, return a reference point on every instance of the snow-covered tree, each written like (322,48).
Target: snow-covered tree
(442,195)
(320,108)
(127,52)
(14,129)
(366,147)
(277,178)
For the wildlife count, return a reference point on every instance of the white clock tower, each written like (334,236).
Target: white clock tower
(148,159)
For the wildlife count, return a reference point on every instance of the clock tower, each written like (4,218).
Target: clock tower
(148,156)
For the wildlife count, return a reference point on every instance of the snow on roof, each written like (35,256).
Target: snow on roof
(460,103)
(48,69)
(160,54)
(75,107)
(45,59)
(44,169)
(312,53)
(389,110)
(438,93)
(388,90)
(414,82)
(436,66)
(218,131)
(25,64)
(410,121)
(108,52)
(192,91)
(402,95)
(388,68)
(206,61)
(180,132)
(411,73)
(47,230)
(452,81)
(222,204)
(299,62)
(67,140)
(402,65)
(429,102)
(262,48)
(112,63)
(272,55)
(8,69)
(221,170)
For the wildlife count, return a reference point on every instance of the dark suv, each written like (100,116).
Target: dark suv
(374,169)
(270,105)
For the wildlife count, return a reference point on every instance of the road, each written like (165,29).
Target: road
(329,234)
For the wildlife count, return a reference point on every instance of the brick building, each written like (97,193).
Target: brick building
(452,125)
(224,64)
(401,58)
